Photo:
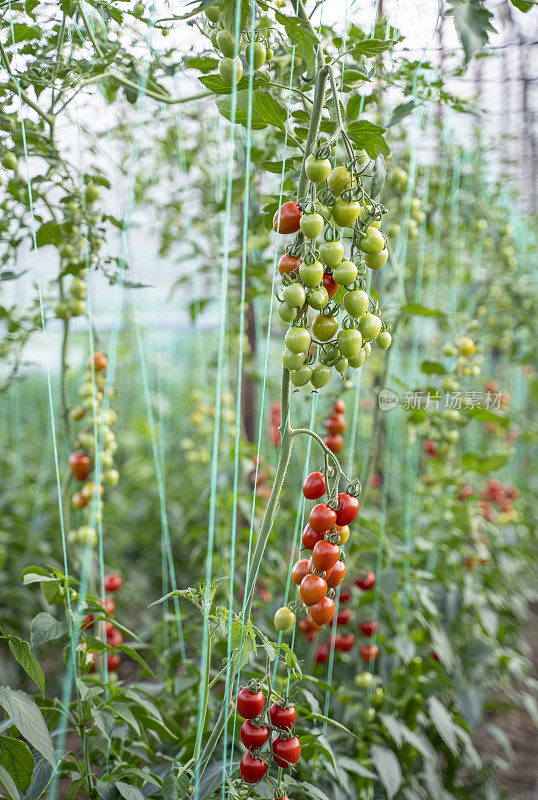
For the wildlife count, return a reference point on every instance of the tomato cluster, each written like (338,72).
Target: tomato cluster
(499,497)
(336,426)
(319,279)
(234,55)
(114,637)
(262,718)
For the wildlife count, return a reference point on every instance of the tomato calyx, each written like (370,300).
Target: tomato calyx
(254,686)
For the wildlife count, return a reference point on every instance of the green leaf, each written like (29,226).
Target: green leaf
(22,32)
(523,5)
(17,760)
(268,110)
(301,36)
(49,233)
(443,722)
(129,792)
(485,415)
(432,368)
(369,136)
(351,765)
(29,663)
(9,784)
(473,24)
(372,47)
(224,104)
(228,14)
(44,627)
(401,111)
(484,464)
(173,788)
(27,718)
(388,768)
(422,311)
(106,790)
(215,83)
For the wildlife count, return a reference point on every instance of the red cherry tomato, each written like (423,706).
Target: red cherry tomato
(114,638)
(323,611)
(348,508)
(325,555)
(336,424)
(334,641)
(299,570)
(282,718)
(369,652)
(343,616)
(100,361)
(286,751)
(252,769)
(347,642)
(345,593)
(322,518)
(366,581)
(314,486)
(339,407)
(87,622)
(287,218)
(322,654)
(369,628)
(330,285)
(113,662)
(311,568)
(313,589)
(108,605)
(311,537)
(254,735)
(336,576)
(287,265)
(250,704)
(113,582)
(334,441)
(79,464)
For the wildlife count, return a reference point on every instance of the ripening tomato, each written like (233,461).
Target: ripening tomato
(369,628)
(311,537)
(79,501)
(113,582)
(254,735)
(284,619)
(289,264)
(312,590)
(339,406)
(114,638)
(347,642)
(287,218)
(79,464)
(325,555)
(369,653)
(345,593)
(113,662)
(322,518)
(308,625)
(334,441)
(87,622)
(322,654)
(250,704)
(252,769)
(336,576)
(100,361)
(366,581)
(336,424)
(314,486)
(286,751)
(344,533)
(348,508)
(312,567)
(330,285)
(299,570)
(343,616)
(108,605)
(334,641)
(282,717)
(323,611)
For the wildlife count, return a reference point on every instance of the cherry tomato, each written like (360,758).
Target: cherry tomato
(356,302)
(334,641)
(288,218)
(345,273)
(369,628)
(323,611)
(345,593)
(300,377)
(299,570)
(286,751)
(284,619)
(336,424)
(108,605)
(339,406)
(114,638)
(79,501)
(345,213)
(100,361)
(377,260)
(254,735)
(348,508)
(312,225)
(338,179)
(308,625)
(294,295)
(314,486)
(373,241)
(227,44)
(113,582)
(318,298)
(322,518)
(349,342)
(317,169)
(330,284)
(331,253)
(334,441)
(343,616)
(369,326)
(298,339)
(79,464)
(289,264)
(249,704)
(231,70)
(369,653)
(344,533)
(311,274)
(292,361)
(347,642)
(113,662)
(324,327)
(312,590)
(359,359)
(383,340)
(255,54)
(312,567)
(87,622)
(325,555)
(366,581)
(466,346)
(321,375)
(336,576)
(322,654)
(282,718)
(311,537)
(252,769)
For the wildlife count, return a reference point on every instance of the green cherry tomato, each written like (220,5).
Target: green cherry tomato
(231,70)
(77,307)
(300,377)
(364,680)
(297,339)
(318,298)
(294,295)
(312,225)
(383,340)
(344,213)
(369,326)
(292,360)
(227,45)
(91,193)
(255,54)
(364,215)
(367,347)
(317,169)
(349,342)
(372,241)
(311,274)
(356,302)
(321,375)
(331,353)
(324,328)
(338,180)
(341,365)
(9,161)
(284,619)
(377,260)
(322,209)
(212,13)
(61,310)
(287,313)
(359,359)
(415,205)
(269,53)
(331,253)
(345,273)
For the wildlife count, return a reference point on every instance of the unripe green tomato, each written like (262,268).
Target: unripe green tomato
(321,375)
(364,680)
(255,54)
(311,274)
(227,45)
(370,716)
(284,619)
(359,359)
(419,216)
(452,414)
(300,377)
(213,36)
(9,161)
(294,295)
(231,70)
(450,350)
(398,176)
(317,169)
(393,230)
(476,370)
(372,241)
(318,298)
(415,205)
(78,288)
(452,436)
(413,229)
(367,347)
(338,180)
(322,209)
(77,413)
(466,346)
(377,260)
(369,326)
(324,328)
(139,9)
(297,339)
(91,193)
(364,215)
(61,310)
(86,536)
(349,342)
(344,213)
(383,340)
(77,307)
(356,302)
(345,273)
(111,477)
(287,313)
(107,459)
(312,225)
(269,53)
(331,353)
(341,365)
(331,253)
(67,251)
(212,13)
(378,696)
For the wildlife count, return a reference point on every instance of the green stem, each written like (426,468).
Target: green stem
(326,450)
(200,733)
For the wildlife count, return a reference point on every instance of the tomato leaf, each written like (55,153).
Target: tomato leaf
(302,37)
(485,415)
(45,627)
(422,311)
(442,720)
(27,718)
(215,83)
(369,136)
(29,663)
(401,111)
(17,760)
(484,464)
(388,768)
(473,24)
(372,47)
